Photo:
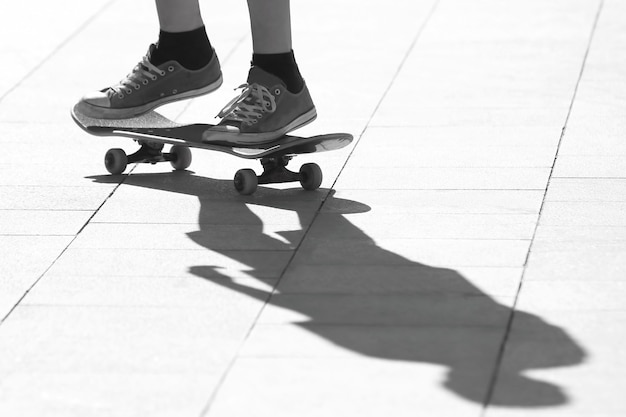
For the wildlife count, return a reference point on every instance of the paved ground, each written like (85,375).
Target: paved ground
(466,257)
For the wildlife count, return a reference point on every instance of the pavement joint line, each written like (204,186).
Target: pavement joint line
(394,77)
(8,314)
(58,48)
(207,408)
(500,356)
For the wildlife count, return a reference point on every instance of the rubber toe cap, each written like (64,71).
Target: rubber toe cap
(98,98)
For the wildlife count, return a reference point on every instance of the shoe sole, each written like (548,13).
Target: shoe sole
(104,113)
(261,138)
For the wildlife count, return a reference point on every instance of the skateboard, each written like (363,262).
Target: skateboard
(152,131)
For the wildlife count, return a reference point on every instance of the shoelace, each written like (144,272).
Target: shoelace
(250,105)
(142,74)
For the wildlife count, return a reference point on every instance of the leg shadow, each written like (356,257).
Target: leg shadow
(373,301)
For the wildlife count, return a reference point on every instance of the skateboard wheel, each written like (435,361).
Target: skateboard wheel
(310,176)
(181,157)
(115,161)
(246,181)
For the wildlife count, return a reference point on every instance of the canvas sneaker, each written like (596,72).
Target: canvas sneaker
(263,112)
(149,86)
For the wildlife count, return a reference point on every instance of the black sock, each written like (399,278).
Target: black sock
(283,66)
(190,49)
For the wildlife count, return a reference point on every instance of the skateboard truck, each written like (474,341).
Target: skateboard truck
(116,159)
(246,180)
(150,152)
(274,172)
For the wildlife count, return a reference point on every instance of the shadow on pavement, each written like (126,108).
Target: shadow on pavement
(377,303)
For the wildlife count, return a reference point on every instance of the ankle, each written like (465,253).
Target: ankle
(282,66)
(190,49)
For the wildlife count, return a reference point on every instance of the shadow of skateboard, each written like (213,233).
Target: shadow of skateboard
(152,131)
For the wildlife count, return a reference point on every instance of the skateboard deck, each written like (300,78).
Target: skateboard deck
(152,131)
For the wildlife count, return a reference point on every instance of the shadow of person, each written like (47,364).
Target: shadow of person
(372,301)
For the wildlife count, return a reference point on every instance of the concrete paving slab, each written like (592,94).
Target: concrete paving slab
(33,49)
(585,325)
(459,151)
(402,279)
(465,347)
(594,137)
(542,20)
(353,51)
(34,140)
(24,260)
(577,261)
(15,285)
(415,178)
(140,205)
(528,137)
(583,214)
(391,115)
(600,333)
(570,295)
(596,125)
(130,263)
(186,290)
(465,344)
(43,222)
(581,234)
(425,226)
(385,310)
(435,201)
(50,155)
(77,339)
(46,175)
(187,237)
(432,252)
(53,198)
(488,69)
(590,167)
(105,394)
(31,245)
(587,189)
(311,387)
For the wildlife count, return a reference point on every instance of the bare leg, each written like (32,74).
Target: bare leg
(271,26)
(182,36)
(179,15)
(275,99)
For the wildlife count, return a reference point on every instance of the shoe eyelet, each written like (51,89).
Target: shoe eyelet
(258,116)
(277,92)
(120,96)
(153,77)
(137,86)
(162,73)
(129,91)
(170,68)
(145,82)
